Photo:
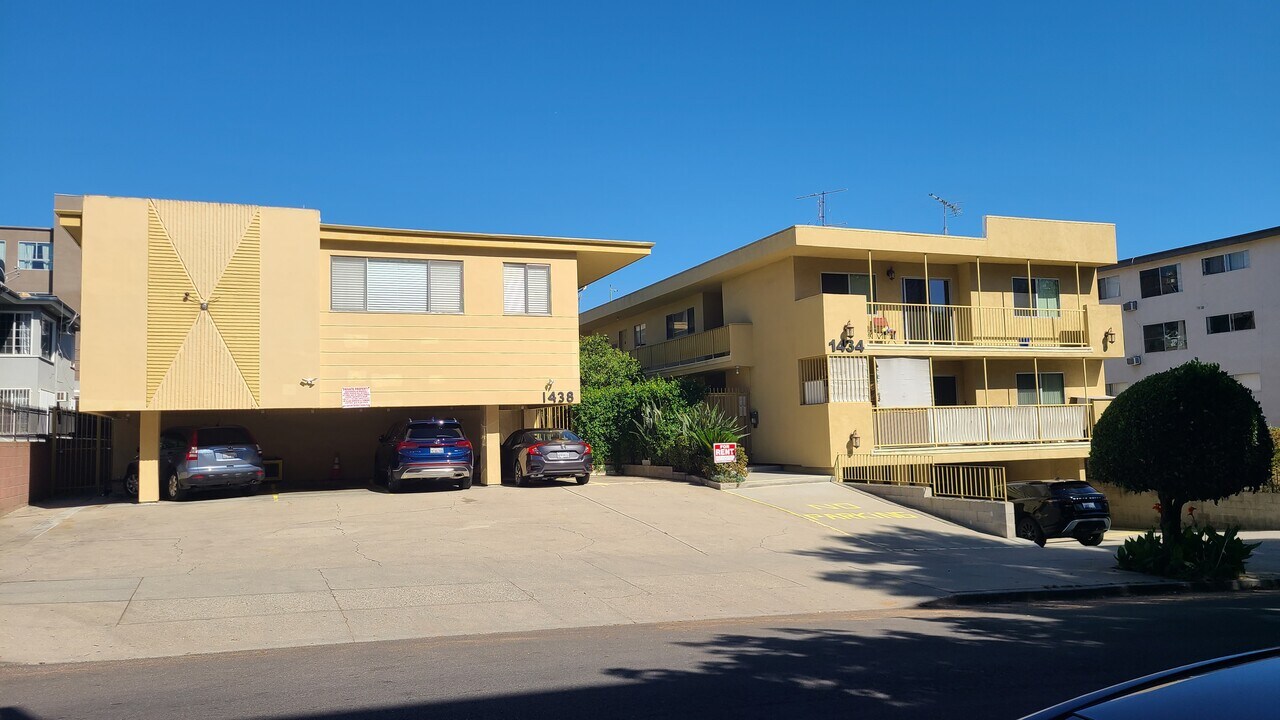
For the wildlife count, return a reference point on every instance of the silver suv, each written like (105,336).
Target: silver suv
(204,458)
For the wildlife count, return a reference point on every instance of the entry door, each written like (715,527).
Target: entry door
(944,390)
(919,319)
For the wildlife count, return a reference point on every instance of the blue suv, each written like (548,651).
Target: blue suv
(434,449)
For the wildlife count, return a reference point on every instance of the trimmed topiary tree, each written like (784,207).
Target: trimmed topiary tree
(1188,434)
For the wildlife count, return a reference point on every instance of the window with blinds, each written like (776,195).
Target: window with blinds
(393,285)
(526,289)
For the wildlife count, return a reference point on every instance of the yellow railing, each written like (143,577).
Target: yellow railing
(913,324)
(979,482)
(698,347)
(959,425)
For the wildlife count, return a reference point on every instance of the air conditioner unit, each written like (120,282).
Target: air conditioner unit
(1130,306)
(1133,360)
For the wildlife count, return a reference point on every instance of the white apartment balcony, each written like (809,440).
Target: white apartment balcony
(972,326)
(723,347)
(958,426)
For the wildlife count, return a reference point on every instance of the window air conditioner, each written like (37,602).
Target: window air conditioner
(1133,360)
(1130,306)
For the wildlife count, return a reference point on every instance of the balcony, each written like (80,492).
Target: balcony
(906,324)
(725,346)
(975,426)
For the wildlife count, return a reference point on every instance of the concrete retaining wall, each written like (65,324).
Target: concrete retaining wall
(665,472)
(1249,511)
(992,517)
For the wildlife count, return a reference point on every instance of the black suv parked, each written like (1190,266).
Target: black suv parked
(1059,508)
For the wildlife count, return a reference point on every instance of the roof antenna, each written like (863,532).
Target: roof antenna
(947,207)
(822,203)
(612,291)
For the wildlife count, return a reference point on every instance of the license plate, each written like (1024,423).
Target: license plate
(437,451)
(1088,506)
(221,456)
(563,455)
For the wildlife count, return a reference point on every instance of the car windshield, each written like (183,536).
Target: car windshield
(434,432)
(554,436)
(1074,488)
(209,437)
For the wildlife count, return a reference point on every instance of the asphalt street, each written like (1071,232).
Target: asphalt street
(990,662)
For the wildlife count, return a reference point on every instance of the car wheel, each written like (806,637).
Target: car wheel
(583,479)
(131,484)
(1029,529)
(517,476)
(1093,540)
(465,484)
(252,489)
(172,489)
(393,483)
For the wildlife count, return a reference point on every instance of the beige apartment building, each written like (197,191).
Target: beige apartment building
(318,336)
(1212,300)
(861,351)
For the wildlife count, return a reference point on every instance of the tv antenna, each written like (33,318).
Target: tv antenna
(822,202)
(612,291)
(948,208)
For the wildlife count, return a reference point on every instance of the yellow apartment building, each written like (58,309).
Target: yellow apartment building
(846,349)
(315,336)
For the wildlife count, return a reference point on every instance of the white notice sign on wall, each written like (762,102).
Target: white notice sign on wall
(356,397)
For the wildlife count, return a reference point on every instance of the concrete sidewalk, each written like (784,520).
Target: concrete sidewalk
(124,581)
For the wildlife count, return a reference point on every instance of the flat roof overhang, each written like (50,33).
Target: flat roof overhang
(596,258)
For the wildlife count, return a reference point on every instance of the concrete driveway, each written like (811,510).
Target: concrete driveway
(232,573)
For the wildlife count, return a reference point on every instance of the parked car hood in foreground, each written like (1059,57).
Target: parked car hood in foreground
(1240,687)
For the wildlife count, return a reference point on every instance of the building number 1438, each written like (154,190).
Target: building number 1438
(557,397)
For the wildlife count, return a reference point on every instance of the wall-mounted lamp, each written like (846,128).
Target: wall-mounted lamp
(849,329)
(1110,335)
(737,369)
(855,440)
(307,382)
(890,273)
(550,383)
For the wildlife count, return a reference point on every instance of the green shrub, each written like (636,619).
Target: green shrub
(625,416)
(701,427)
(1200,554)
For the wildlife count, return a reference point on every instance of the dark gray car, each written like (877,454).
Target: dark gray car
(537,453)
(204,458)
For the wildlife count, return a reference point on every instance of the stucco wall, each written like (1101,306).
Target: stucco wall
(269,326)
(481,357)
(1248,511)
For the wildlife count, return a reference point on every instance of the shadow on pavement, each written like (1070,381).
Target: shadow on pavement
(996,662)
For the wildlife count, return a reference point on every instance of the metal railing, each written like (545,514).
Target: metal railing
(960,425)
(698,347)
(977,482)
(20,421)
(918,324)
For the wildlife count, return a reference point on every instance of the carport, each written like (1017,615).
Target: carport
(307,441)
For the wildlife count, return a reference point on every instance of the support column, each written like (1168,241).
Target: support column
(491,448)
(148,456)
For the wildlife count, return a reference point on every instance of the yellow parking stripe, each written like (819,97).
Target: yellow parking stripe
(790,512)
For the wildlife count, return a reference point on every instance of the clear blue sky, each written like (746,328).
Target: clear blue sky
(693,125)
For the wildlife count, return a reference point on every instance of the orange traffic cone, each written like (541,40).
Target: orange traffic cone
(335,473)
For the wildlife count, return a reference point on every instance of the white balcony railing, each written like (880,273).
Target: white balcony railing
(964,325)
(953,426)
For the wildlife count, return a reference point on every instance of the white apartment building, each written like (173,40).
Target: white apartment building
(1218,301)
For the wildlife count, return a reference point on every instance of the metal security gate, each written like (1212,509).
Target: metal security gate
(736,404)
(81,451)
